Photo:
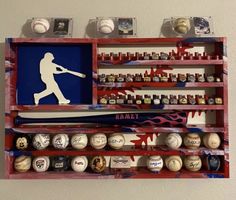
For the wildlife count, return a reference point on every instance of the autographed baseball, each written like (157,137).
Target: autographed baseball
(98,164)
(98,141)
(22,163)
(173,140)
(154,163)
(192,140)
(40,25)
(173,163)
(116,140)
(60,141)
(211,140)
(79,163)
(41,141)
(41,163)
(106,26)
(182,25)
(79,141)
(193,163)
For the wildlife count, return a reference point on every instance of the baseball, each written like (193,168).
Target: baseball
(154,163)
(98,164)
(79,163)
(106,26)
(182,25)
(98,141)
(41,141)
(41,163)
(116,140)
(212,162)
(192,140)
(22,141)
(173,163)
(79,141)
(40,25)
(193,163)
(211,140)
(173,140)
(22,163)
(60,141)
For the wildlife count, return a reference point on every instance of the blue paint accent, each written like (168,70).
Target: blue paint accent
(196,39)
(73,57)
(215,176)
(180,84)
(20,153)
(195,130)
(160,106)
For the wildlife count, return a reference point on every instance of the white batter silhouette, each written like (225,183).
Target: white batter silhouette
(47,71)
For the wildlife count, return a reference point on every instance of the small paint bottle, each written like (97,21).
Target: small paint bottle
(130,99)
(173,100)
(211,101)
(191,78)
(138,78)
(164,56)
(164,99)
(146,56)
(111,78)
(139,99)
(182,78)
(155,56)
(182,99)
(102,78)
(173,77)
(218,100)
(147,99)
(156,99)
(164,78)
(201,100)
(120,99)
(146,78)
(112,99)
(103,100)
(156,78)
(120,78)
(200,78)
(129,78)
(191,100)
(210,78)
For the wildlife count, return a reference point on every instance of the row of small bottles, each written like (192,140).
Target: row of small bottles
(158,78)
(163,99)
(157,56)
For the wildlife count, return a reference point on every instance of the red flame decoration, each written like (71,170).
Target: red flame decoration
(181,49)
(143,138)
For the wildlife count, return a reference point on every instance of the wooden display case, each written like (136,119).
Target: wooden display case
(95,57)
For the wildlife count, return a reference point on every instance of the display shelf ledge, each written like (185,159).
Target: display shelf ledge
(159,62)
(140,172)
(125,151)
(125,107)
(73,129)
(155,85)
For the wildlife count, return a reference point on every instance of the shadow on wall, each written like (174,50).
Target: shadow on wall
(2,102)
(90,30)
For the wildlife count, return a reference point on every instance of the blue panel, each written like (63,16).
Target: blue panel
(72,57)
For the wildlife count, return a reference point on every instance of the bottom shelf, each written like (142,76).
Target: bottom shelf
(140,172)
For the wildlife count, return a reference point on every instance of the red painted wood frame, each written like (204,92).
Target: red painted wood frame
(219,62)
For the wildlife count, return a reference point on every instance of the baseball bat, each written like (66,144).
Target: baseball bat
(76,73)
(178,119)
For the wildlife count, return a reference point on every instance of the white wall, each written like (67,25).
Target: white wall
(149,14)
